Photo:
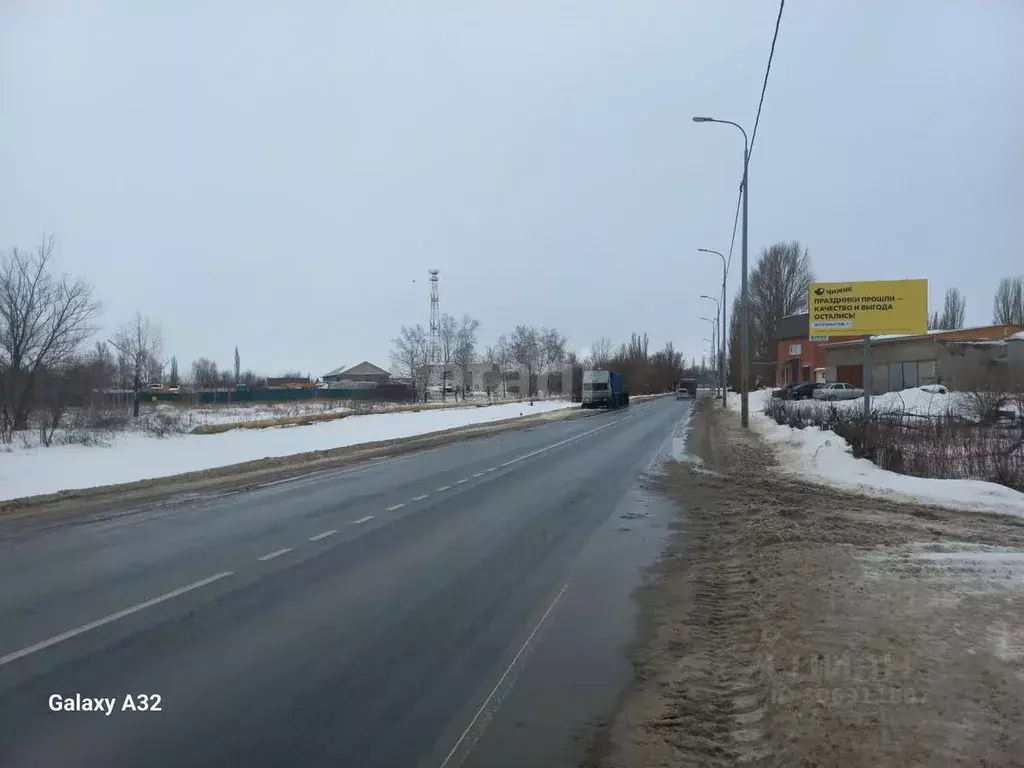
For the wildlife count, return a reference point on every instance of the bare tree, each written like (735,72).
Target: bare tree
(447,337)
(779,286)
(1008,304)
(525,350)
(205,374)
(465,348)
(954,308)
(175,379)
(44,321)
(600,354)
(238,367)
(410,355)
(104,366)
(139,344)
(503,359)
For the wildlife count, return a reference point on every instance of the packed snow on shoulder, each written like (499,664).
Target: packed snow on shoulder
(822,456)
(132,456)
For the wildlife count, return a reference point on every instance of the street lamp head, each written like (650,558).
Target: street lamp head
(704,296)
(703,119)
(708,319)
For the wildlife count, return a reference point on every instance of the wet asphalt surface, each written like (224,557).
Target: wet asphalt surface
(466,605)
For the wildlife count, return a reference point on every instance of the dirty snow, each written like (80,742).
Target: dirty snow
(133,456)
(824,457)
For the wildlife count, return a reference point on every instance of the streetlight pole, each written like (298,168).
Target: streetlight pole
(721,336)
(744,298)
(712,343)
(719,363)
(714,348)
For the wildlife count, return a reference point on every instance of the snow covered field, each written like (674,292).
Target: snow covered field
(824,457)
(133,456)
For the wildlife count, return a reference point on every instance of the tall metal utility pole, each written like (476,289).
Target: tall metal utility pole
(435,319)
(744,297)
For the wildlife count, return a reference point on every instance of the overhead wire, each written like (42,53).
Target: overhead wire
(753,135)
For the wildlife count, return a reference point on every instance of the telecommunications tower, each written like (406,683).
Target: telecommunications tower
(435,319)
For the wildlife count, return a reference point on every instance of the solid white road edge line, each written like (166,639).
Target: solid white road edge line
(108,619)
(362,520)
(323,535)
(478,474)
(276,553)
(508,669)
(421,497)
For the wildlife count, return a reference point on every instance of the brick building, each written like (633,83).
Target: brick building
(798,356)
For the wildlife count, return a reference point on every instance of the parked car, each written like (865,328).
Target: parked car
(806,390)
(838,391)
(803,390)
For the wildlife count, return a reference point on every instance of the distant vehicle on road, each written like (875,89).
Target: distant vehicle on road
(838,391)
(604,389)
(798,391)
(682,394)
(689,386)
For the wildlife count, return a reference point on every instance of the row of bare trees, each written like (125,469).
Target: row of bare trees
(527,353)
(645,372)
(413,353)
(47,321)
(1007,306)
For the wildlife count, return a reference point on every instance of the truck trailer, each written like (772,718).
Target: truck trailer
(604,389)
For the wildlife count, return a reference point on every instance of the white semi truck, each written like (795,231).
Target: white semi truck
(604,389)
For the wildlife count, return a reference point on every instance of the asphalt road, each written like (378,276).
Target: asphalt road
(377,616)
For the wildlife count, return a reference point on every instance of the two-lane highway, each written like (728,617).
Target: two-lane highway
(375,616)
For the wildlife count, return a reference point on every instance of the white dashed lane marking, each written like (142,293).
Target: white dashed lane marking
(323,535)
(478,474)
(367,519)
(443,488)
(463,480)
(272,555)
(108,619)
(393,507)
(421,497)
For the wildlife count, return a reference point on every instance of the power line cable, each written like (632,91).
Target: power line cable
(753,135)
(764,85)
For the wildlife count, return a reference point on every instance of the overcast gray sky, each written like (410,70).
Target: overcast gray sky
(281,176)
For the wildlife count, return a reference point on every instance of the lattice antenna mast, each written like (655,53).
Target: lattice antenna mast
(435,319)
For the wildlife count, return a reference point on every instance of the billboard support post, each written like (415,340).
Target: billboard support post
(868,383)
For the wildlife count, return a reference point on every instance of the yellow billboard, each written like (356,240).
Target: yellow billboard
(869,308)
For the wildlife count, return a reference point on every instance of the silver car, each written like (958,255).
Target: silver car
(838,391)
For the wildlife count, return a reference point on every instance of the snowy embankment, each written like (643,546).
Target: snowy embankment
(822,456)
(133,456)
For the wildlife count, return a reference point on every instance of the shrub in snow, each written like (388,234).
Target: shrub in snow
(941,445)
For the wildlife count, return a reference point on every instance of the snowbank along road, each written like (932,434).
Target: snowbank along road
(414,611)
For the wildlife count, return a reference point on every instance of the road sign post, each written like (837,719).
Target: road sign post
(867,382)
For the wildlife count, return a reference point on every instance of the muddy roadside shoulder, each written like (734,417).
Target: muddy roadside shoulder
(791,624)
(56,507)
